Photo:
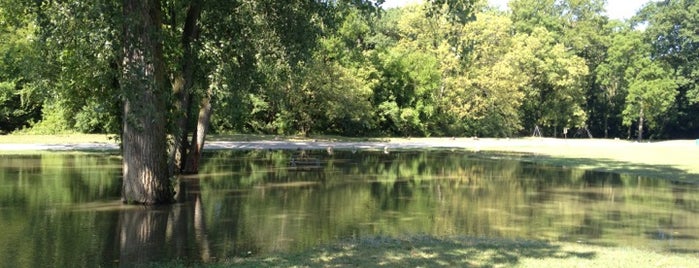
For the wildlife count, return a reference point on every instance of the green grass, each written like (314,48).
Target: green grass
(674,160)
(428,251)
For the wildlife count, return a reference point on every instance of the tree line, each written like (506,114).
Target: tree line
(162,73)
(350,68)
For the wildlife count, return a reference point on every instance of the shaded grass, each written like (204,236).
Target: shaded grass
(430,251)
(73,138)
(262,137)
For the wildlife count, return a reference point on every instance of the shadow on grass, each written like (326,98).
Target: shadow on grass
(673,174)
(264,137)
(419,251)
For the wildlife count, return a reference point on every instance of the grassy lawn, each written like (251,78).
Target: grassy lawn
(675,160)
(428,251)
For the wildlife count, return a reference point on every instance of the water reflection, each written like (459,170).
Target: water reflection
(147,234)
(63,209)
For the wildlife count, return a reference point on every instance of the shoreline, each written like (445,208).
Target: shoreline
(517,144)
(674,159)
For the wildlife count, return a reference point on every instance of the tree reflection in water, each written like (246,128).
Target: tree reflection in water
(155,233)
(63,209)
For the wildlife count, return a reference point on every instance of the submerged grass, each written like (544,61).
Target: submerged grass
(430,251)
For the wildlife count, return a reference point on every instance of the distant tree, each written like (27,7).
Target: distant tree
(553,92)
(651,87)
(671,31)
(646,85)
(18,108)
(651,93)
(488,96)
(609,76)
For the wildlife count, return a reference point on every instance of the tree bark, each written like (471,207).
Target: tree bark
(192,165)
(182,87)
(146,176)
(606,126)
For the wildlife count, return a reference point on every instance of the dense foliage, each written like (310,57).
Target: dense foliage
(442,68)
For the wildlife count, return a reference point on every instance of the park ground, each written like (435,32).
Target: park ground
(673,160)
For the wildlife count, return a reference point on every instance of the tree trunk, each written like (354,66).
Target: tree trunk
(182,87)
(197,146)
(640,125)
(145,166)
(606,126)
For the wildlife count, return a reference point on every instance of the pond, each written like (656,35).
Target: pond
(63,209)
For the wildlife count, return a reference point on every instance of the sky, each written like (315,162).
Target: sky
(616,9)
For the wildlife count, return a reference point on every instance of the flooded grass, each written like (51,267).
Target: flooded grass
(537,189)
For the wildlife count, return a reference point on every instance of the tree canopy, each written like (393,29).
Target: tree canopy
(350,68)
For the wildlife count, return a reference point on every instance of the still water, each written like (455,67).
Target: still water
(63,210)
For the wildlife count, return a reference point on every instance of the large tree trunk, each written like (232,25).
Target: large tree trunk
(145,166)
